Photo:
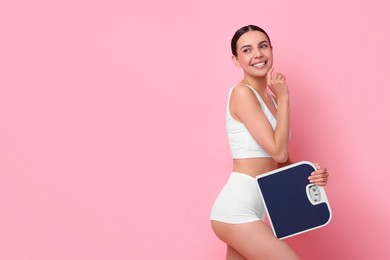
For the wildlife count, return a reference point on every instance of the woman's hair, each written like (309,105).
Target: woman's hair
(243,30)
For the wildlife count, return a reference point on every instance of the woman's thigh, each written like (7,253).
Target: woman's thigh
(253,240)
(232,254)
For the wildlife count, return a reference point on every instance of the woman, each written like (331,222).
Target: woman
(258,128)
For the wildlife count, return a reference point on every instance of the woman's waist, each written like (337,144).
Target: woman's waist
(254,166)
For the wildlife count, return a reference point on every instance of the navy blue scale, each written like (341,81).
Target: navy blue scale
(287,202)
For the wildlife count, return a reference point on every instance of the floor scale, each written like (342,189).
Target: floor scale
(293,204)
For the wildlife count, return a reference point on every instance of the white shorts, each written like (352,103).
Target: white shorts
(239,201)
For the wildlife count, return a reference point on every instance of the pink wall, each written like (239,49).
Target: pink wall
(112,138)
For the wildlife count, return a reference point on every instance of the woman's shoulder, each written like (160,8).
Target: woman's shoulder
(242,90)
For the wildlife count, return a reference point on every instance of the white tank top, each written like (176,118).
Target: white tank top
(242,144)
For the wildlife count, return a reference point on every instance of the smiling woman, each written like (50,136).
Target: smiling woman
(258,128)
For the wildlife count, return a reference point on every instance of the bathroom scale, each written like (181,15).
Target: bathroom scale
(293,204)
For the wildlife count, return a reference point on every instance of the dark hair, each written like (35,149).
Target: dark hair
(243,30)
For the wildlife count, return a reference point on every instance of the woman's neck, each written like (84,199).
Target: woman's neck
(259,84)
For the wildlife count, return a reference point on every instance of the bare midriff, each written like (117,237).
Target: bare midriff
(254,166)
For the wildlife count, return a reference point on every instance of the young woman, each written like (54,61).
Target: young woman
(258,128)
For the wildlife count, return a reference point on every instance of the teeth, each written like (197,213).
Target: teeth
(259,64)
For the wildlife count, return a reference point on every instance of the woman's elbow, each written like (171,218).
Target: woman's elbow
(280,157)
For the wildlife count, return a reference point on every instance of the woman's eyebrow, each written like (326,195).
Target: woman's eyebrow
(245,46)
(265,41)
(248,45)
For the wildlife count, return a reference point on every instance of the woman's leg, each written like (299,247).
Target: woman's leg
(253,241)
(232,254)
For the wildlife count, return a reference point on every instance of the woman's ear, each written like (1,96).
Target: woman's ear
(236,62)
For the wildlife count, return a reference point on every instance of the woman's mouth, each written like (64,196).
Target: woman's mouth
(259,65)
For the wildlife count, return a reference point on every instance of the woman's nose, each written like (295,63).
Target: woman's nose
(258,52)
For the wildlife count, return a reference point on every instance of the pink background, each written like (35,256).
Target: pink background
(112,135)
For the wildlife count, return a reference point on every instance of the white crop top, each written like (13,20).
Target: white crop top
(242,144)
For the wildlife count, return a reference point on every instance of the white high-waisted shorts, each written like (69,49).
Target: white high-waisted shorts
(239,201)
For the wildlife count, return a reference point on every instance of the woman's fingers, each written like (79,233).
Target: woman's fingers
(279,77)
(274,78)
(320,176)
(277,83)
(269,76)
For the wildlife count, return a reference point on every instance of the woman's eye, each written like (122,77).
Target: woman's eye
(263,46)
(246,50)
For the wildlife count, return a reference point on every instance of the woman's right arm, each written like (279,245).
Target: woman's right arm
(277,83)
(246,107)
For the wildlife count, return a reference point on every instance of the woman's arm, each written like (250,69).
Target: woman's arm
(245,106)
(286,163)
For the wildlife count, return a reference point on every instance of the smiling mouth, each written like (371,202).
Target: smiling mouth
(260,64)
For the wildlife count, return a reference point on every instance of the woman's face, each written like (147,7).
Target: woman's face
(254,54)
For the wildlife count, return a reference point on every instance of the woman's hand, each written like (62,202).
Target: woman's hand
(277,83)
(320,176)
